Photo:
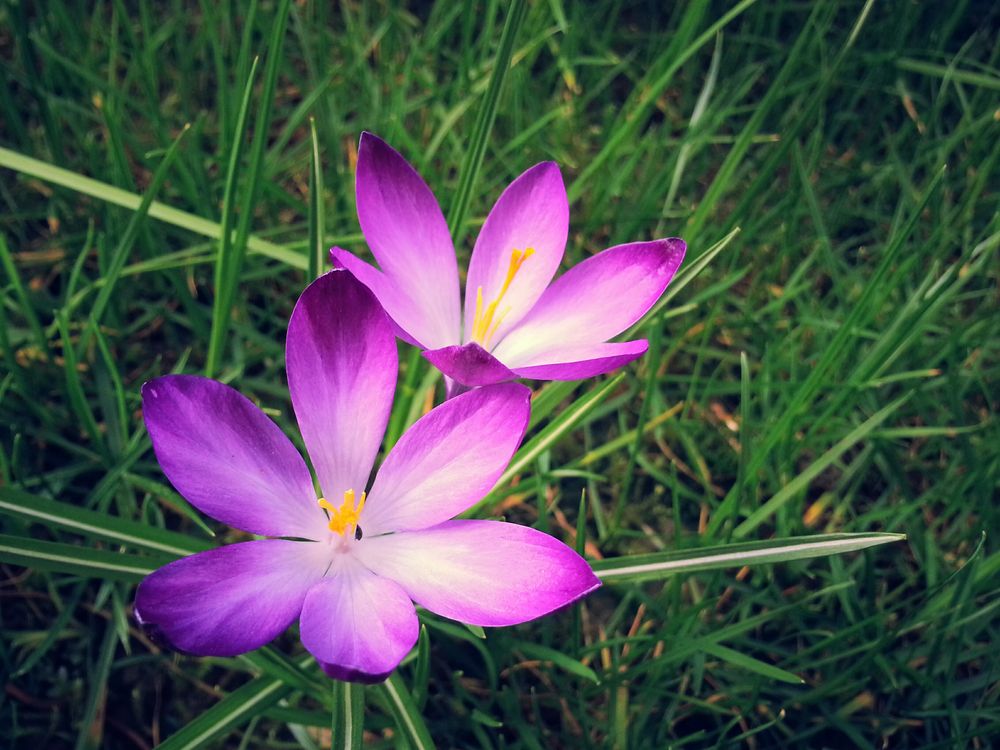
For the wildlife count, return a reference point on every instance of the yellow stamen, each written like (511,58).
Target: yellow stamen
(483,324)
(346,516)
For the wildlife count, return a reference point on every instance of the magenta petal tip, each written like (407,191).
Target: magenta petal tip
(577,363)
(470,365)
(676,249)
(346,674)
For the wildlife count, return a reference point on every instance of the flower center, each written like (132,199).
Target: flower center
(346,516)
(483,323)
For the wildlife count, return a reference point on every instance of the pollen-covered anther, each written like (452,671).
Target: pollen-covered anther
(483,323)
(346,515)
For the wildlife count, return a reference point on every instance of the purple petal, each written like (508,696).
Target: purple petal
(358,625)
(409,238)
(469,365)
(341,361)
(583,360)
(400,309)
(448,460)
(228,459)
(531,213)
(482,572)
(229,600)
(593,301)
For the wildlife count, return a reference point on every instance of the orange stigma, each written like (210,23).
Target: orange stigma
(346,516)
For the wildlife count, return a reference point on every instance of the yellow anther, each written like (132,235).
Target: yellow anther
(483,323)
(346,516)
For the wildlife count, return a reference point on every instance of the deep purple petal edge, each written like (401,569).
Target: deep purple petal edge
(469,365)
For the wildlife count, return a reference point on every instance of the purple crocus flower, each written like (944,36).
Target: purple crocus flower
(515,323)
(349,565)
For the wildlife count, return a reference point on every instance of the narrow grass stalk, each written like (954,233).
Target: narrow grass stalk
(778,88)
(789,136)
(56,515)
(541,442)
(135,224)
(92,725)
(71,558)
(831,354)
(655,566)
(7,261)
(237,708)
(652,361)
(74,387)
(317,224)
(347,717)
(224,260)
(231,260)
(476,150)
(797,485)
(409,722)
(637,118)
(109,193)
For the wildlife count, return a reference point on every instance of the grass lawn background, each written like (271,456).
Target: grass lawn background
(831,367)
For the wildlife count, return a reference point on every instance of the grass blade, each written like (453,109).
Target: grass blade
(7,260)
(347,721)
(637,118)
(251,189)
(54,514)
(684,277)
(135,224)
(91,727)
(659,565)
(484,121)
(317,224)
(54,632)
(545,439)
(224,259)
(109,193)
(831,354)
(74,388)
(949,73)
(70,558)
(790,490)
(238,707)
(408,720)
(561,660)
(768,671)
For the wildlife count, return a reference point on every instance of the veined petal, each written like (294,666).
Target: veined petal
(582,360)
(484,573)
(228,459)
(593,301)
(531,214)
(229,600)
(402,312)
(448,460)
(341,361)
(469,365)
(408,236)
(358,625)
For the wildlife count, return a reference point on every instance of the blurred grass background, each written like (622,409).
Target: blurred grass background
(832,368)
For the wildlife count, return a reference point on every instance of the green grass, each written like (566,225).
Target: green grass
(830,368)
